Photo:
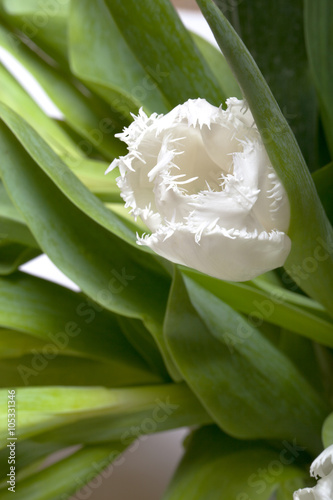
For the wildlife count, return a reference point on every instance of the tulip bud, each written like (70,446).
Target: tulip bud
(200,179)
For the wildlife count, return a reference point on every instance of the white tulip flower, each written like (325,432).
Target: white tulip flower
(322,467)
(201,180)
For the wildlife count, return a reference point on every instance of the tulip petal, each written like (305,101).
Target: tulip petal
(220,252)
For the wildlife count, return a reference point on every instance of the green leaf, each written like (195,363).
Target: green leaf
(323,179)
(319,42)
(159,40)
(69,475)
(276,43)
(248,386)
(216,466)
(100,57)
(310,231)
(92,415)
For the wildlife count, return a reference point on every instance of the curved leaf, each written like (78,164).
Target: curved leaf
(249,387)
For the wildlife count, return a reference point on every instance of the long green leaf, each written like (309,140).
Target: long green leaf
(157,37)
(310,262)
(99,415)
(216,466)
(249,387)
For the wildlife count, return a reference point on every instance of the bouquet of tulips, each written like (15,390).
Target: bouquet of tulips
(203,259)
